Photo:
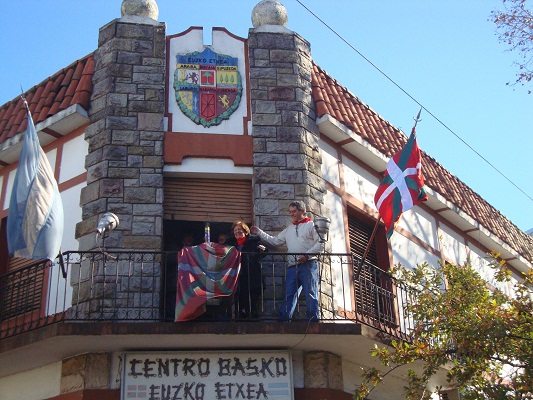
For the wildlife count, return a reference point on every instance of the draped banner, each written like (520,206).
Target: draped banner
(204,272)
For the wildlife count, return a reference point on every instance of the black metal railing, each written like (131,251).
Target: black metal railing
(141,286)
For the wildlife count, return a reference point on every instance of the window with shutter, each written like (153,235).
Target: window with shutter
(22,282)
(189,204)
(221,200)
(374,296)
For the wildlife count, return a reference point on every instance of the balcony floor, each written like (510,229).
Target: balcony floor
(58,341)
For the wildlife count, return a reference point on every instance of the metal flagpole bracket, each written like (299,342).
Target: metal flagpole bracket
(24,102)
(417,119)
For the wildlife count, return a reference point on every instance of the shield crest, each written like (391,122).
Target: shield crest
(208,86)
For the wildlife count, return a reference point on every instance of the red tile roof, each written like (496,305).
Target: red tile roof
(337,101)
(72,85)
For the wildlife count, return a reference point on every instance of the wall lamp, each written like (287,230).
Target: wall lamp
(107,223)
(322,228)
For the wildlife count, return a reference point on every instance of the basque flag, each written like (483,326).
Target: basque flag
(205,272)
(35,218)
(402,186)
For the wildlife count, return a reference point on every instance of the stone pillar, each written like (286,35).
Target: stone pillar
(124,174)
(322,370)
(85,371)
(125,159)
(287,161)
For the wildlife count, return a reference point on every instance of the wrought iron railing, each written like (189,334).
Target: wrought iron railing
(119,286)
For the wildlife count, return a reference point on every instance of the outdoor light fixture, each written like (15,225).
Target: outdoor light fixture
(107,223)
(322,228)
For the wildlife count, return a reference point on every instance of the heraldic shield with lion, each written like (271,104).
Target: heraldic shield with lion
(208,86)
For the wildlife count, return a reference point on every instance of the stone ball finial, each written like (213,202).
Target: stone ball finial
(269,12)
(140,8)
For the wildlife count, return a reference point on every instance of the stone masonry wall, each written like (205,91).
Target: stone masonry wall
(125,160)
(286,156)
(323,370)
(287,161)
(85,371)
(124,173)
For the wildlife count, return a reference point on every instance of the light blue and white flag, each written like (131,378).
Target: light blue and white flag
(35,218)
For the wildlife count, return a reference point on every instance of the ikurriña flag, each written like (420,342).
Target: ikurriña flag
(205,272)
(402,186)
(35,218)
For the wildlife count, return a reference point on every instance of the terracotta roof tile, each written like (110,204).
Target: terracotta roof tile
(67,78)
(72,85)
(334,99)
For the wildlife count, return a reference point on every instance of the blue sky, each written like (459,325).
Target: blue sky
(444,54)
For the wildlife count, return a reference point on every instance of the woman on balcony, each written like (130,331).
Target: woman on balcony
(250,280)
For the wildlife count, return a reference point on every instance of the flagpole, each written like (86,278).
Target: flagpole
(363,259)
(416,121)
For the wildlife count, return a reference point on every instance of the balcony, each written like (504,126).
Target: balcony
(140,287)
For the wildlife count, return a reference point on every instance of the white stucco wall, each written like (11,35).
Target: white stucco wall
(337,238)
(480,261)
(409,254)
(421,224)
(36,384)
(52,157)
(72,212)
(9,188)
(212,167)
(453,247)
(351,375)
(73,158)
(60,292)
(359,183)
(330,164)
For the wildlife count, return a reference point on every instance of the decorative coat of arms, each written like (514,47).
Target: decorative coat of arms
(208,86)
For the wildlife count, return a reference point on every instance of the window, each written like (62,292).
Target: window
(9,264)
(374,295)
(188,205)
(216,200)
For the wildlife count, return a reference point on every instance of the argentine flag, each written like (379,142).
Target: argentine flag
(35,218)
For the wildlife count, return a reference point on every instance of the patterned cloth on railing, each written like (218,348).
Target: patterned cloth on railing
(204,272)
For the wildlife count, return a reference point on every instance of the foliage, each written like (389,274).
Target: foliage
(514,27)
(482,337)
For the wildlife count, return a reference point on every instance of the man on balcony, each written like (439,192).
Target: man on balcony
(303,244)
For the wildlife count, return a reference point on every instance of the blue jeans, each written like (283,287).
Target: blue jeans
(301,276)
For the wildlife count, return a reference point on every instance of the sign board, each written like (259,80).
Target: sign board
(235,375)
